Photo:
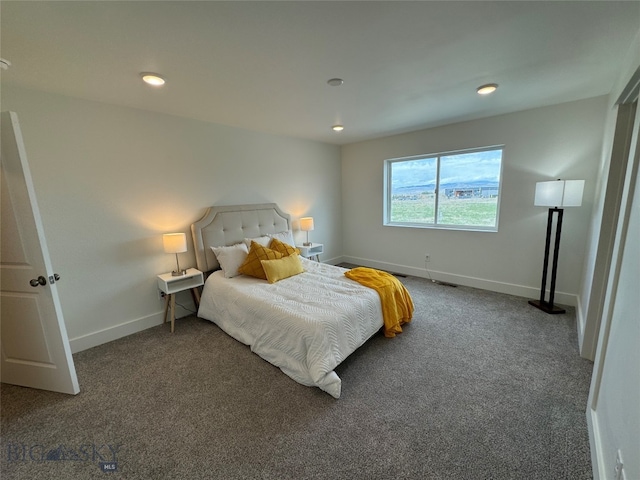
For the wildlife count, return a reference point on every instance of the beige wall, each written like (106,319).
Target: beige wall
(560,141)
(111,180)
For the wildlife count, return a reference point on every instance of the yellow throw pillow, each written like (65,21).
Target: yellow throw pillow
(252,266)
(284,248)
(282,268)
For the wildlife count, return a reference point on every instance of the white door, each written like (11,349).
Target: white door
(34,347)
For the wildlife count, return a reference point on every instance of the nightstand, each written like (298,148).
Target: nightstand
(171,285)
(311,251)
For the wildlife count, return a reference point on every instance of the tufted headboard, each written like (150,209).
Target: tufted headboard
(230,224)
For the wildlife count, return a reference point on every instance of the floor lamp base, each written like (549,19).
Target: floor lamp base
(545,307)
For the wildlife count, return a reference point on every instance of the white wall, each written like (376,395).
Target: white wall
(605,214)
(111,180)
(614,404)
(561,141)
(613,413)
(601,236)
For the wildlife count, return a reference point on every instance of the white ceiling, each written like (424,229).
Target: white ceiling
(264,65)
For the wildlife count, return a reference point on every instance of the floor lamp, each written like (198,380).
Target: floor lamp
(556,195)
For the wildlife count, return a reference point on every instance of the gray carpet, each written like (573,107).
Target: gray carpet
(479,386)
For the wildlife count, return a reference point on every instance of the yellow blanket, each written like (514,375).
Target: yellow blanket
(397,305)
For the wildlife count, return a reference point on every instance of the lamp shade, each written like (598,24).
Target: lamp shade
(306,224)
(559,193)
(174,242)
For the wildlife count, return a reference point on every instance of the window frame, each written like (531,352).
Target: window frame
(387,191)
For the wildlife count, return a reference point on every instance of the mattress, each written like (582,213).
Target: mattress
(306,324)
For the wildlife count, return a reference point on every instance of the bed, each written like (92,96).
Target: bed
(306,324)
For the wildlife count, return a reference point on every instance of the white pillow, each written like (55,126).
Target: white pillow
(263,241)
(284,237)
(230,258)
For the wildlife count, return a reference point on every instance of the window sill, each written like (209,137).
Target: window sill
(443,227)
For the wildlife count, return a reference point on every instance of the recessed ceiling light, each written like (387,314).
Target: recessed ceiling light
(4,64)
(335,82)
(337,128)
(152,79)
(487,89)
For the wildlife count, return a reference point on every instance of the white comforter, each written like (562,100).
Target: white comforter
(305,325)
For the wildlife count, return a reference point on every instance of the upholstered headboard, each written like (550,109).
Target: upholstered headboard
(227,225)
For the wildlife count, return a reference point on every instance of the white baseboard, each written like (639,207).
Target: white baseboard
(90,340)
(481,283)
(333,261)
(580,323)
(595,445)
(100,337)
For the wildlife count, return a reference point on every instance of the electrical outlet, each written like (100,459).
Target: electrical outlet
(618,469)
(427,257)
(161,294)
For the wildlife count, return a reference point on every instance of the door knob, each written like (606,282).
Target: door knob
(38,281)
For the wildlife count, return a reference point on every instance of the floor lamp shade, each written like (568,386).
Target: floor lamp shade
(175,243)
(559,193)
(306,224)
(556,195)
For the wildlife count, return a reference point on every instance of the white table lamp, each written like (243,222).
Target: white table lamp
(175,243)
(306,224)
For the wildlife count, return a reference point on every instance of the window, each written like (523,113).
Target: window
(456,190)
